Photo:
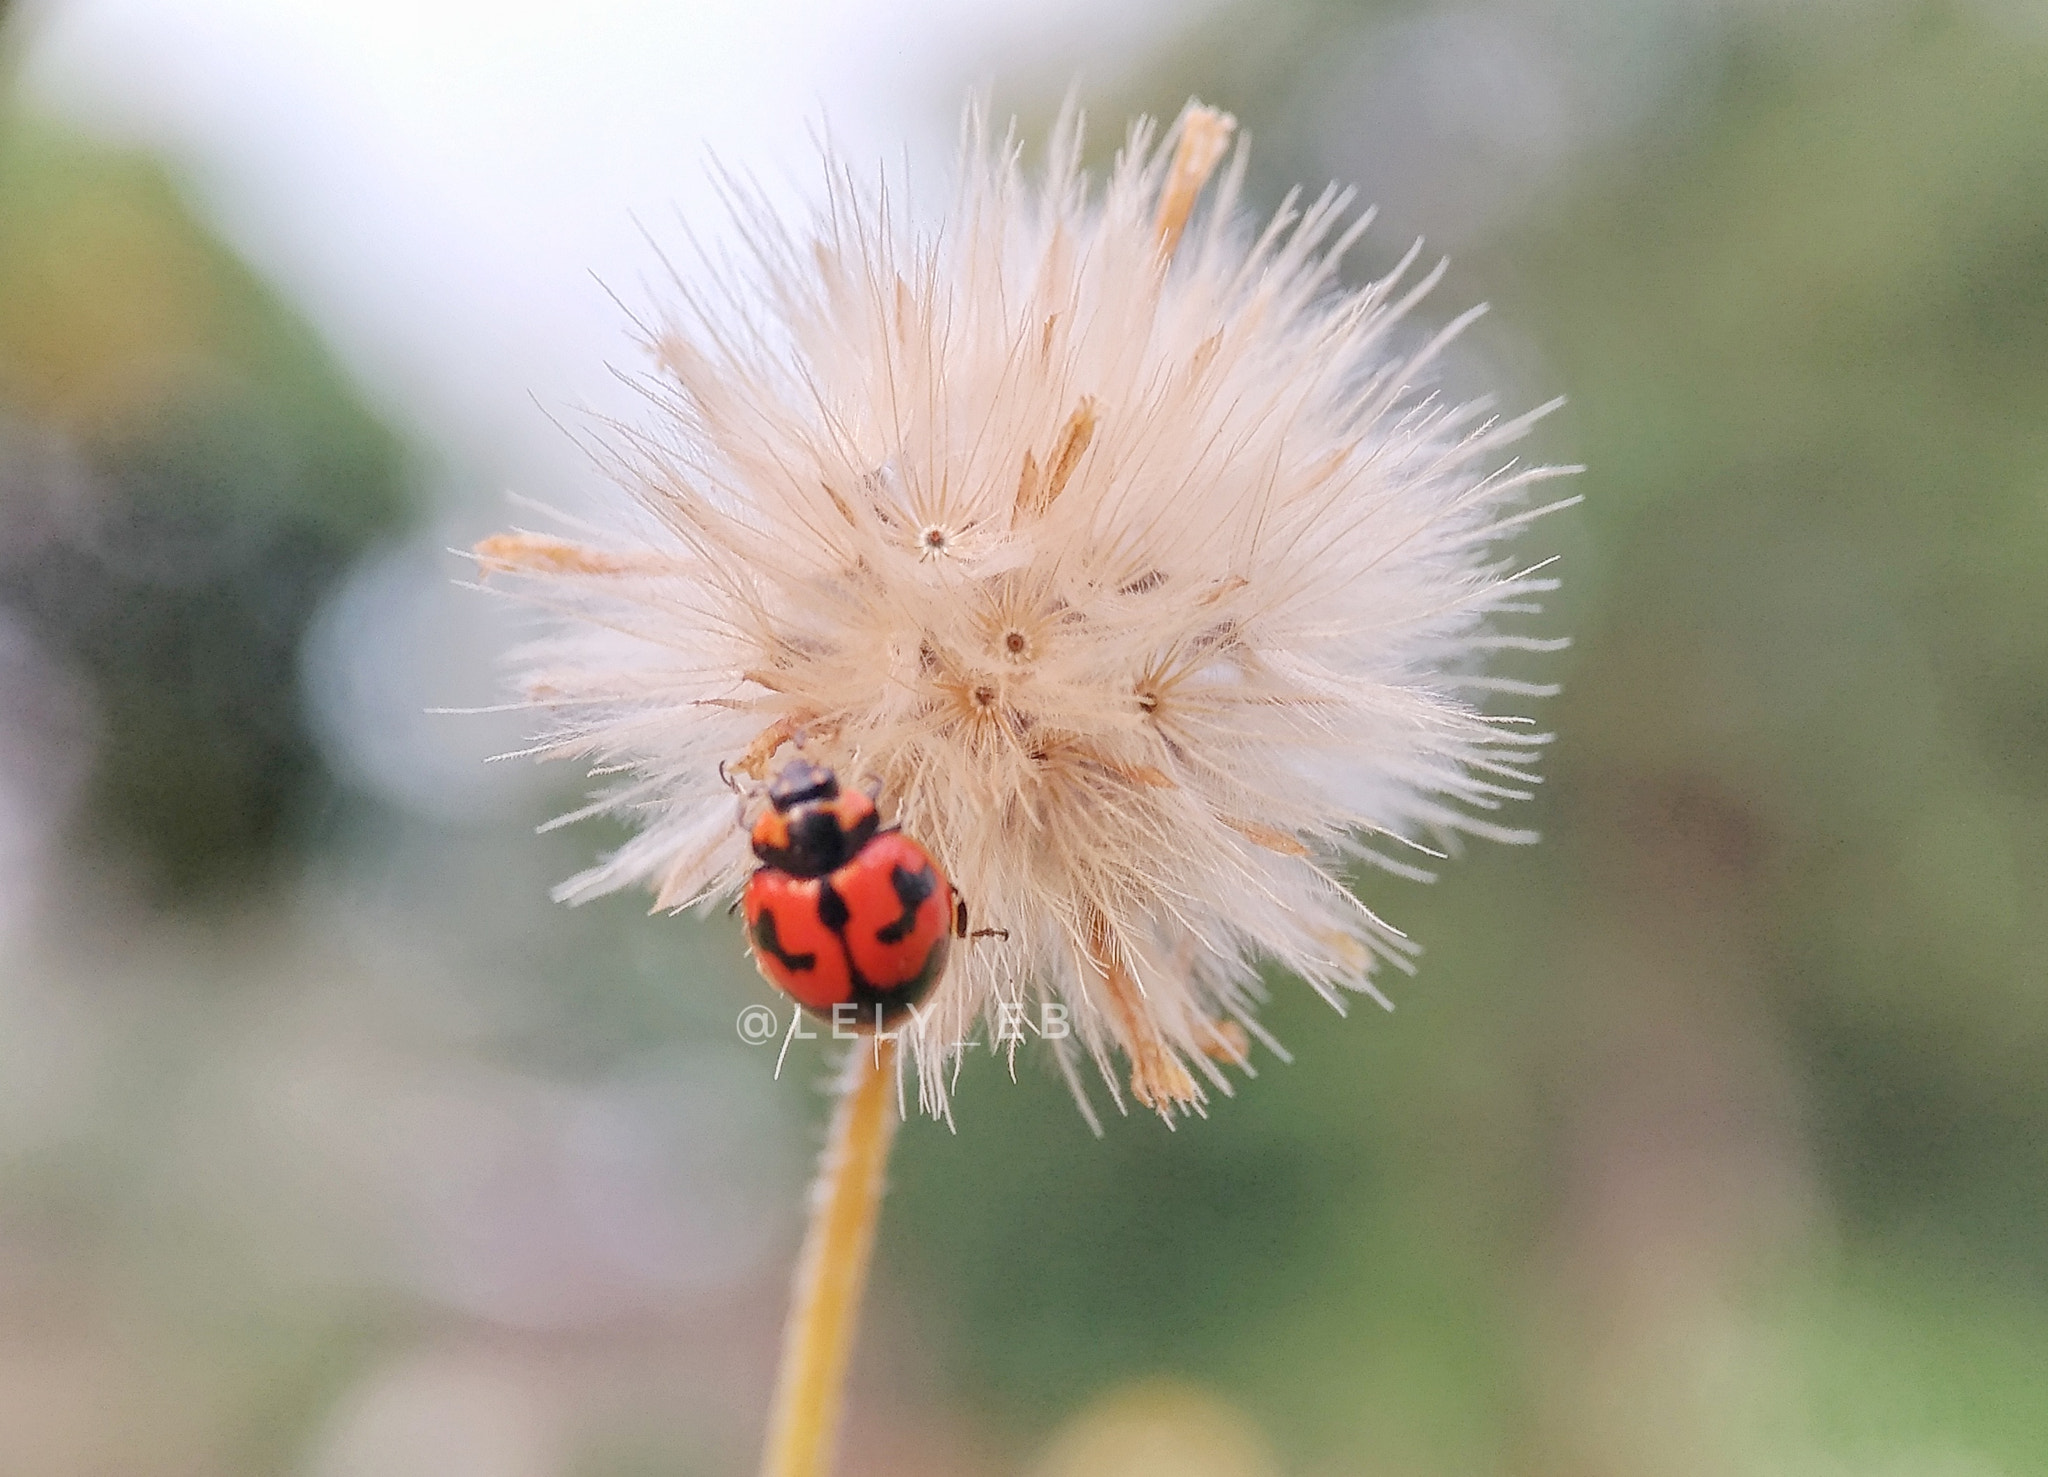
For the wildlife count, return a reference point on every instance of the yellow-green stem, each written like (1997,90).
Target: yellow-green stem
(803,1423)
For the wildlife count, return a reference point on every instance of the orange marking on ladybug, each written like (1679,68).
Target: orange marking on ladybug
(772,830)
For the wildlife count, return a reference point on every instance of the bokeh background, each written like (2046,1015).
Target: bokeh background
(1713,1137)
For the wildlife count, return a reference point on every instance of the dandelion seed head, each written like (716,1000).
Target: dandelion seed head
(1119,543)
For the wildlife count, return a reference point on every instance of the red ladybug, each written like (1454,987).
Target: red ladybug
(841,911)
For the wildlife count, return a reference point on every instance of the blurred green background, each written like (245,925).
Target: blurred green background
(1713,1137)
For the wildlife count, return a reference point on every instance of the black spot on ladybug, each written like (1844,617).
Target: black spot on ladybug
(817,843)
(767,942)
(895,1001)
(912,888)
(832,910)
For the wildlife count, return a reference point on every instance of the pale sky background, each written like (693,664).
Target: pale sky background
(447,188)
(442,184)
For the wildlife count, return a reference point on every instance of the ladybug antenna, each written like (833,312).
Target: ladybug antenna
(744,793)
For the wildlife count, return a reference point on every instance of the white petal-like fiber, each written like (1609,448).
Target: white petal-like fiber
(1138,567)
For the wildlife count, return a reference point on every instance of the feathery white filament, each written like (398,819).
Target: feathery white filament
(1123,551)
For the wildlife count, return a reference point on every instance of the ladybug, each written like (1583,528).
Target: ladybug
(843,911)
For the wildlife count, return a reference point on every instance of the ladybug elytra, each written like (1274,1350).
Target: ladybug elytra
(843,911)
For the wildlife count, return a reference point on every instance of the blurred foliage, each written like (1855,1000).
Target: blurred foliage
(186,473)
(1822,376)
(1713,1137)
(1789,923)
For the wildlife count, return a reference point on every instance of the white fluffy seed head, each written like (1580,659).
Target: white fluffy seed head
(1126,554)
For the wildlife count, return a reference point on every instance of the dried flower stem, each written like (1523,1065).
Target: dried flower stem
(825,1305)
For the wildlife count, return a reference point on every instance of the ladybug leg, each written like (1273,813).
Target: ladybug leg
(744,795)
(872,788)
(739,809)
(734,776)
(960,924)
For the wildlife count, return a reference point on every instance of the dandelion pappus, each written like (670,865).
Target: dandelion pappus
(1171,628)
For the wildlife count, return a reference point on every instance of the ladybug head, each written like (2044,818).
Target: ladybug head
(799,781)
(812,829)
